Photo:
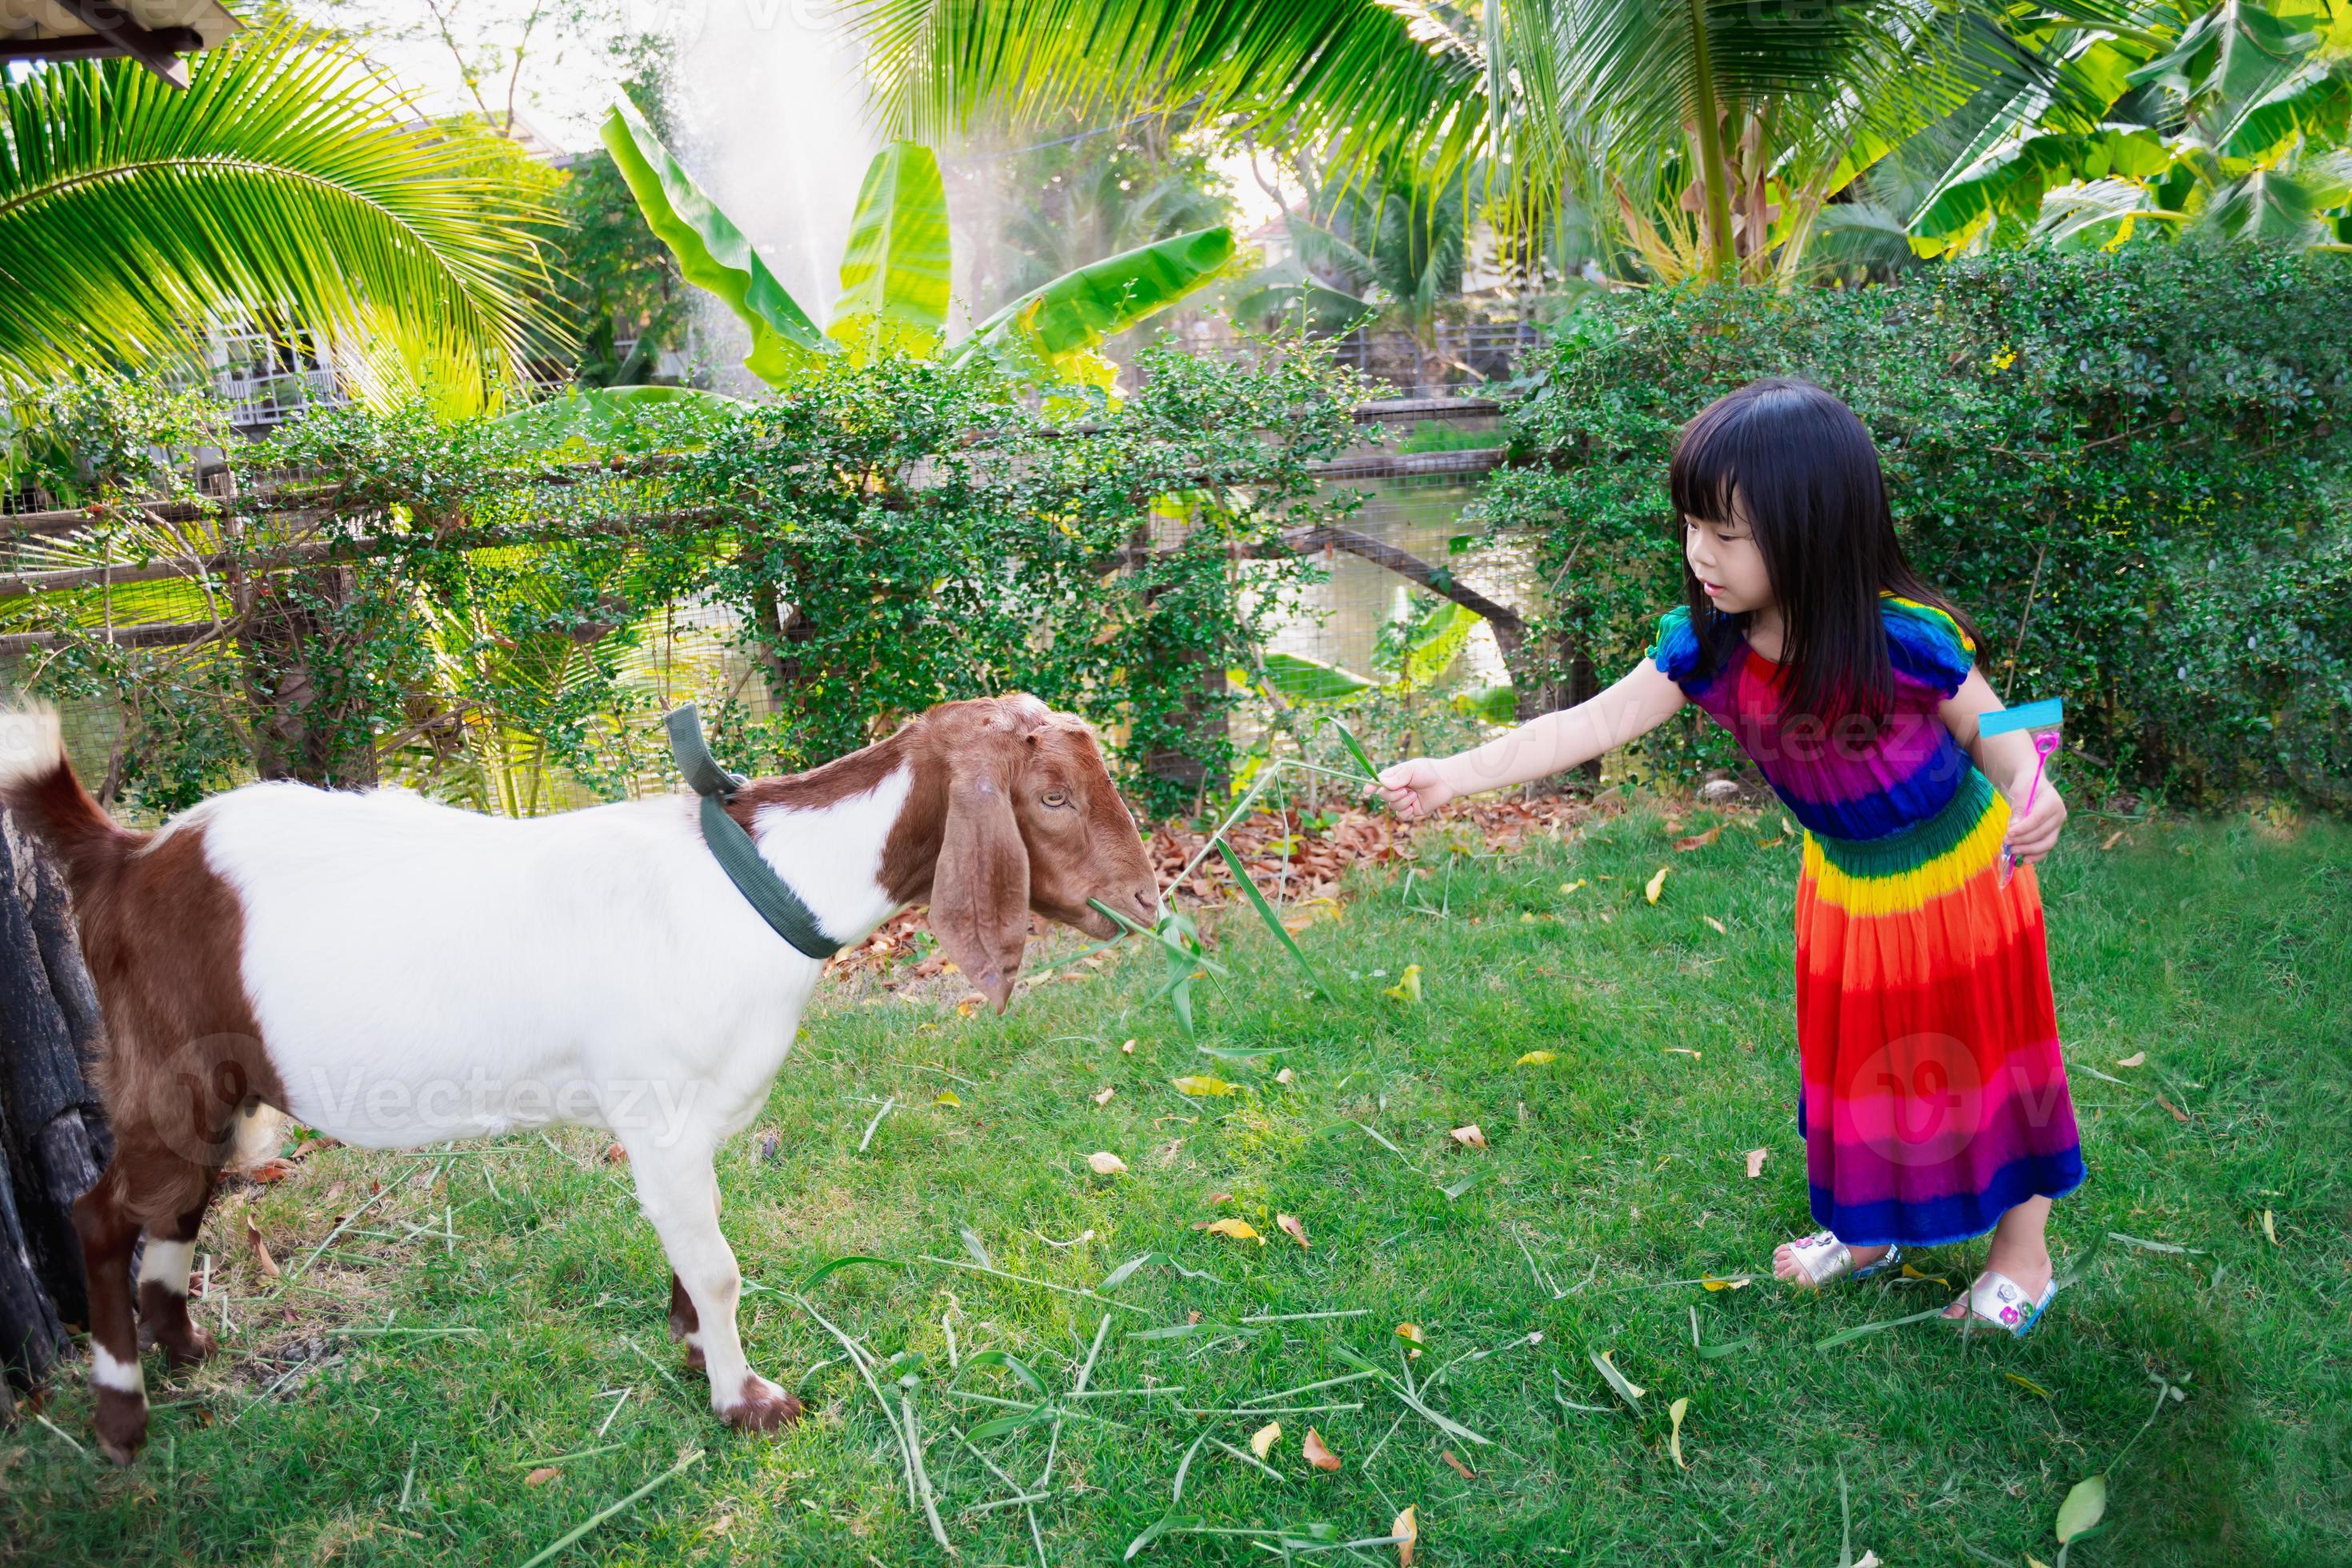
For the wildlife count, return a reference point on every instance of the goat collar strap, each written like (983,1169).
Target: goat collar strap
(732,847)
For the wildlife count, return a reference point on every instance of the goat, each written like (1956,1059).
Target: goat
(395,972)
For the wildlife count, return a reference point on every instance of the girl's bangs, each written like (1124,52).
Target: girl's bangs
(1703,477)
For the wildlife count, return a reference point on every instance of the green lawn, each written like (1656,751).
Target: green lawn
(1613,1175)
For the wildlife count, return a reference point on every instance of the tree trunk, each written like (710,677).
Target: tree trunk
(53,1136)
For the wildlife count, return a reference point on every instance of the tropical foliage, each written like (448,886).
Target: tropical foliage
(290,186)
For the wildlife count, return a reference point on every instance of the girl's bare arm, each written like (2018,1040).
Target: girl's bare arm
(1632,708)
(2008,761)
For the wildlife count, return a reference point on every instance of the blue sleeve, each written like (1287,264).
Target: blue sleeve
(1676,650)
(1926,644)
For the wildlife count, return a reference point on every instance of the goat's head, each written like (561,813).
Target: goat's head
(1032,822)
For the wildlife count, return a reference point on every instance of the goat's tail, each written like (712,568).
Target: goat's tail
(38,783)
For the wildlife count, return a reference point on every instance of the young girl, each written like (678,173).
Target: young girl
(1934,1104)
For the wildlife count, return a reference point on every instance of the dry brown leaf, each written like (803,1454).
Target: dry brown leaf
(1699,840)
(270,1171)
(2178,1114)
(1127,1048)
(1411,1331)
(1755,1163)
(1470,1137)
(1103,1097)
(1263,1440)
(615,1155)
(2112,839)
(541,1476)
(1286,1077)
(1293,1228)
(1683,1051)
(1458,1467)
(1720,929)
(259,1249)
(1238,1229)
(1103,1163)
(1317,1454)
(1407,1530)
(2133,1060)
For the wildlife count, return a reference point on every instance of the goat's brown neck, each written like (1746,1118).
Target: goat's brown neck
(912,849)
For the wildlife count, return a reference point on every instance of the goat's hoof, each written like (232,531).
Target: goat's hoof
(121,1424)
(186,1350)
(762,1407)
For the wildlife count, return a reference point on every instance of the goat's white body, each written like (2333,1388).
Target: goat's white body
(421,972)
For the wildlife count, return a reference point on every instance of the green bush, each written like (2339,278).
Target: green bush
(2130,469)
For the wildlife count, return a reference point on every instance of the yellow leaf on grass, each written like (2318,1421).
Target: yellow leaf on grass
(1720,929)
(1263,1440)
(1611,1357)
(1203,1085)
(1411,1331)
(1911,1273)
(1470,1137)
(1657,884)
(1566,887)
(1407,1530)
(2132,1060)
(1103,1163)
(2027,1384)
(1408,986)
(1755,1163)
(1317,1452)
(1295,1228)
(1675,1413)
(2269,1229)
(1236,1227)
(1712,1283)
(1537,1059)
(946,1097)
(971,1004)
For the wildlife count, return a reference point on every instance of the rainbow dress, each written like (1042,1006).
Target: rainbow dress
(1932,1097)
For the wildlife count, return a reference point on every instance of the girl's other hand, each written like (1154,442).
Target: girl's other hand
(1414,787)
(2034,833)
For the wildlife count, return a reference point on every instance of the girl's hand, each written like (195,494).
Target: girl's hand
(1414,788)
(2034,833)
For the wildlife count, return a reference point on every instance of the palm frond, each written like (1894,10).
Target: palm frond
(290,184)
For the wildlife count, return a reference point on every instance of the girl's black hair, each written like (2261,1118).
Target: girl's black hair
(1805,477)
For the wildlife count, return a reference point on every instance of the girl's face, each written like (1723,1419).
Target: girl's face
(1723,558)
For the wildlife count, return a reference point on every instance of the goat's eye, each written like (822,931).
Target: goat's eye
(1056,797)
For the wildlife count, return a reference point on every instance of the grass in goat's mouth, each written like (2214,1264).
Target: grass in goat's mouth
(474,1367)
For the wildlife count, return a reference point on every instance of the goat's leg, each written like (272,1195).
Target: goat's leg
(164,1317)
(102,1217)
(678,1193)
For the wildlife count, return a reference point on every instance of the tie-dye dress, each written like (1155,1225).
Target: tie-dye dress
(1933,1096)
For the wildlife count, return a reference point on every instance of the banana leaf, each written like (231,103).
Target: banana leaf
(1052,332)
(1297,679)
(712,252)
(1495,704)
(893,270)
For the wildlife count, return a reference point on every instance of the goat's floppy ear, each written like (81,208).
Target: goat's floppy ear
(980,891)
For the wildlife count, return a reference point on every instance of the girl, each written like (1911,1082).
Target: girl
(1934,1104)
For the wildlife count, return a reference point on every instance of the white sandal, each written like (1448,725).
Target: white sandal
(1823,1259)
(1996,1302)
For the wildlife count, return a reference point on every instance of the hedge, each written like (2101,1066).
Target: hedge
(2130,469)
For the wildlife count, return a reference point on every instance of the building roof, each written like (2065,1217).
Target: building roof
(155,32)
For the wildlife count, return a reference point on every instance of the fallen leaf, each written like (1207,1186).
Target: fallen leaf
(1197,1086)
(2178,1114)
(1713,1283)
(1571,887)
(2268,1229)
(1787,826)
(1470,1137)
(1294,1228)
(1411,1331)
(1103,1098)
(1407,1530)
(1657,884)
(1699,840)
(1867,1560)
(1407,989)
(947,1097)
(541,1476)
(1103,1163)
(1168,1150)
(1755,1163)
(1458,1467)
(1537,1059)
(1683,1051)
(2132,1060)
(1127,1048)
(1236,1227)
(2027,1385)
(1286,1077)
(2086,1505)
(2112,839)
(1221,1198)
(260,1250)
(1909,1272)
(1263,1440)
(615,1155)
(1720,929)
(971,1004)
(1318,1455)
(270,1171)
(1675,1413)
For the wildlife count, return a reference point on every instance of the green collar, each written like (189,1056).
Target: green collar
(732,847)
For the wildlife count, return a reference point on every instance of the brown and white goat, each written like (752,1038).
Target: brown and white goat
(395,972)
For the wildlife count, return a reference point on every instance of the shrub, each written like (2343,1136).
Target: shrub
(2130,469)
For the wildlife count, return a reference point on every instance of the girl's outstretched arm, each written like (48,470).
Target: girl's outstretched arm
(2007,759)
(1633,707)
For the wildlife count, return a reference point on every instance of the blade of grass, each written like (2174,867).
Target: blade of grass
(579,1531)
(1272,922)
